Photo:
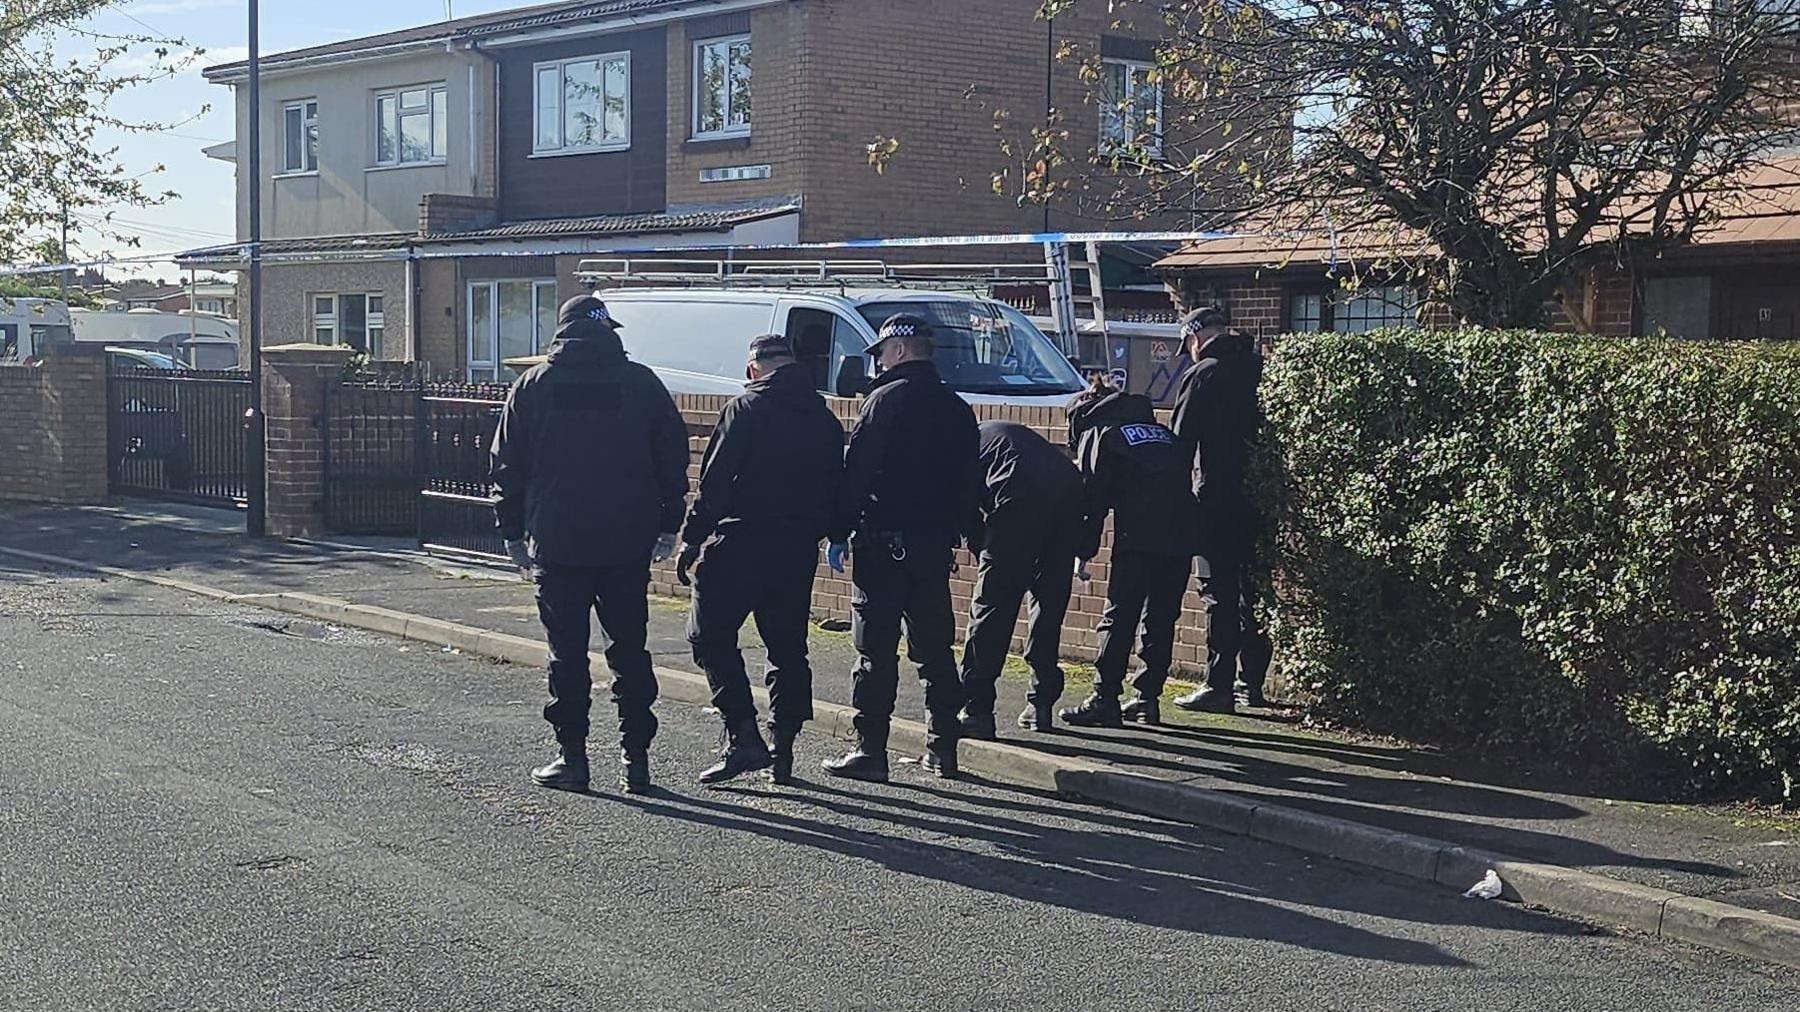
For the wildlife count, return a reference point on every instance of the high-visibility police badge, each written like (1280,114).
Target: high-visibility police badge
(1140,435)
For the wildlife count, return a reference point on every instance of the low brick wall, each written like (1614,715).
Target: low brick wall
(831,592)
(53,429)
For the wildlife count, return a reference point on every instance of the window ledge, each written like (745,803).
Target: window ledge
(308,174)
(435,163)
(610,149)
(717,142)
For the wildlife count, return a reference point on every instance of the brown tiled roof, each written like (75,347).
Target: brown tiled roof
(1763,208)
(478,26)
(699,220)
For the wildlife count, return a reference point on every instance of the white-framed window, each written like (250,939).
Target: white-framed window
(722,87)
(1131,108)
(508,319)
(412,125)
(210,306)
(357,319)
(1705,18)
(300,136)
(582,105)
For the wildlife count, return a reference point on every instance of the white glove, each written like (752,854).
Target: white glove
(665,547)
(520,555)
(1081,571)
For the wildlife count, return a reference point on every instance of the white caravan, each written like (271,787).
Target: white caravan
(196,340)
(29,328)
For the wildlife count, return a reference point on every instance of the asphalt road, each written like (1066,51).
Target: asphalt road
(209,807)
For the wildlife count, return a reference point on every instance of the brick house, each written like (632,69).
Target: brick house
(1735,280)
(429,192)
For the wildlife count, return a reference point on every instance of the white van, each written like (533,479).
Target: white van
(196,340)
(696,336)
(29,328)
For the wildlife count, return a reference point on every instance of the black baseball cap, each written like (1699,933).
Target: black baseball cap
(584,311)
(770,346)
(902,325)
(1204,318)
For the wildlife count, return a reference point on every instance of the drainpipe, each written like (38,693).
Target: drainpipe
(475,47)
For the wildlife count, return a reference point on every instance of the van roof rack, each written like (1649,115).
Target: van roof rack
(806,273)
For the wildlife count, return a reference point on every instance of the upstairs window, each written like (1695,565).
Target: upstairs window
(300,136)
(582,105)
(412,125)
(722,87)
(1131,109)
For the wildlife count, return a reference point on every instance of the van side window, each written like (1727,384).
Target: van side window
(706,337)
(822,339)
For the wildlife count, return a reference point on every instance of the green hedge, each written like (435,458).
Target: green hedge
(1580,550)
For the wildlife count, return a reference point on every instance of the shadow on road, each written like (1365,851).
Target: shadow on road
(1135,870)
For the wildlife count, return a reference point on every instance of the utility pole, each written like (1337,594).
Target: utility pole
(255,521)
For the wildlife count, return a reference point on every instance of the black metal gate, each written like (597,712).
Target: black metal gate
(373,465)
(456,506)
(177,435)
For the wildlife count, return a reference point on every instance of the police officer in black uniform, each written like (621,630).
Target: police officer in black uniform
(590,472)
(1132,468)
(909,482)
(1215,420)
(768,488)
(1028,530)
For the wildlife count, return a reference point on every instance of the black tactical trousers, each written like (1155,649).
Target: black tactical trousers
(768,574)
(1029,549)
(1142,591)
(897,581)
(1236,644)
(565,594)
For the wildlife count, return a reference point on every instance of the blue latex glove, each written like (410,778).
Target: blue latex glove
(836,555)
(665,547)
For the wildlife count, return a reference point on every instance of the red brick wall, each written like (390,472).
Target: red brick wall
(53,430)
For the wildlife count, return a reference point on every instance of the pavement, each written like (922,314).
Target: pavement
(211,806)
(1717,853)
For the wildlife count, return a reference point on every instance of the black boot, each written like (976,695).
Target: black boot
(940,760)
(1146,710)
(781,757)
(1038,717)
(977,726)
(1095,711)
(567,772)
(868,761)
(1208,700)
(744,752)
(634,770)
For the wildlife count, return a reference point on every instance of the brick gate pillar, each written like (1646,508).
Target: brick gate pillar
(294,380)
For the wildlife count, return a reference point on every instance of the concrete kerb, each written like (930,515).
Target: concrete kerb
(1582,894)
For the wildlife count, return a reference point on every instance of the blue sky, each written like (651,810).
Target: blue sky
(204,212)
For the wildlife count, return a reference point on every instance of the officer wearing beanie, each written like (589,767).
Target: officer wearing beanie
(1215,420)
(910,479)
(1132,468)
(590,476)
(768,488)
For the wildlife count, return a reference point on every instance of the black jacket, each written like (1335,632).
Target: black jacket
(911,466)
(1134,468)
(590,460)
(1023,472)
(1215,419)
(775,460)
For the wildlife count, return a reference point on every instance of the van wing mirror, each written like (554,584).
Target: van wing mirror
(852,379)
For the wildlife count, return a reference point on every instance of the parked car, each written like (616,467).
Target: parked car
(134,358)
(695,336)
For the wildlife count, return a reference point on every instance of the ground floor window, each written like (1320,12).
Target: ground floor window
(357,319)
(1356,312)
(507,320)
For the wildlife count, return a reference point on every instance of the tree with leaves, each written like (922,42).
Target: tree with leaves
(1486,150)
(58,75)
